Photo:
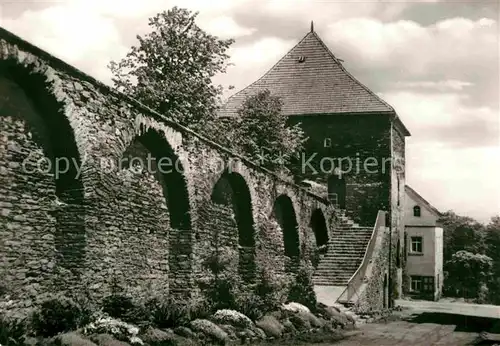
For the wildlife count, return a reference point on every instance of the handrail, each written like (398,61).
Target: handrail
(357,278)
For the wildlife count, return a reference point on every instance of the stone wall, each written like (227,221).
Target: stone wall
(105,219)
(398,183)
(374,293)
(363,142)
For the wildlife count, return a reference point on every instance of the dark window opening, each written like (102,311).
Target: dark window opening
(422,284)
(416,211)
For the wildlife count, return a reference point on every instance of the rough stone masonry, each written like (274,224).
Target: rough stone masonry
(100,219)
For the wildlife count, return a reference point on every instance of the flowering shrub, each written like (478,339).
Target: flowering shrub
(119,329)
(232,317)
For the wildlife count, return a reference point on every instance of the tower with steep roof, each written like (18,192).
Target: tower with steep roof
(350,130)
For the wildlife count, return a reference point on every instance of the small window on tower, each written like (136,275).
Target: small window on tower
(301,59)
(416,211)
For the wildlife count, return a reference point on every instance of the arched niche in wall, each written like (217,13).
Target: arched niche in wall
(231,190)
(160,179)
(284,213)
(165,165)
(43,149)
(318,225)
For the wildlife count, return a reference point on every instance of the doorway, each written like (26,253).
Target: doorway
(337,191)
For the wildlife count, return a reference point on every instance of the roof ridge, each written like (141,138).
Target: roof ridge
(354,79)
(270,69)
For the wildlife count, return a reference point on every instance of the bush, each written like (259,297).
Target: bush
(271,289)
(124,308)
(171,313)
(251,305)
(59,314)
(302,290)
(12,330)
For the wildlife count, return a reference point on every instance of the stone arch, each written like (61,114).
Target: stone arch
(231,191)
(150,154)
(44,144)
(284,212)
(318,225)
(168,169)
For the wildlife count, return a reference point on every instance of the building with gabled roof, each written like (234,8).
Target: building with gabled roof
(311,81)
(423,247)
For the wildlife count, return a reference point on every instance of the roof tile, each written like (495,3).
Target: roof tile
(318,85)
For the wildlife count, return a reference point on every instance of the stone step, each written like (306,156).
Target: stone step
(332,265)
(331,283)
(334,274)
(344,252)
(343,256)
(324,272)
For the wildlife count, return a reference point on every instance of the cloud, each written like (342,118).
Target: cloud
(444,85)
(416,48)
(77,35)
(224,27)
(445,118)
(464,180)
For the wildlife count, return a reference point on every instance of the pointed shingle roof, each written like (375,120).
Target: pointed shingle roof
(311,80)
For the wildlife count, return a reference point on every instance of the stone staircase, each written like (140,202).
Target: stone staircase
(344,253)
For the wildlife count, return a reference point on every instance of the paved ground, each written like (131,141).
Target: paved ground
(405,333)
(466,309)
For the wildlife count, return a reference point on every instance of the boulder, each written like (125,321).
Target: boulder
(271,326)
(210,330)
(289,327)
(300,321)
(295,307)
(185,332)
(72,339)
(107,340)
(230,330)
(157,337)
(259,333)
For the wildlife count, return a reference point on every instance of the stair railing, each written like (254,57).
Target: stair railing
(358,278)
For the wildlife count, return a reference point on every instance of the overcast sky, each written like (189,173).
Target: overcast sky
(436,63)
